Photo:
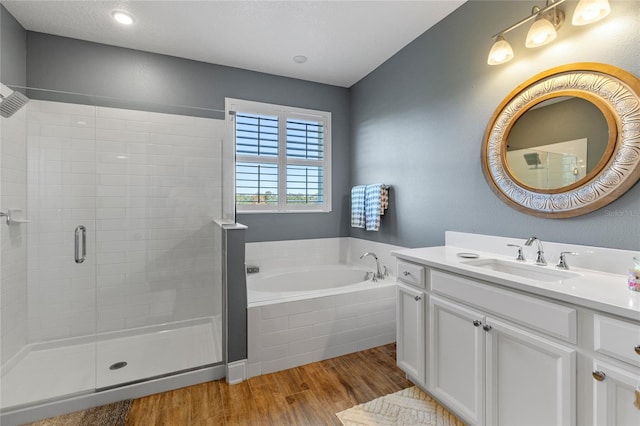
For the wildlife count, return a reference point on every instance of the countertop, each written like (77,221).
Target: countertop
(596,290)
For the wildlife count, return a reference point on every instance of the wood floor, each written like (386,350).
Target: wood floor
(306,395)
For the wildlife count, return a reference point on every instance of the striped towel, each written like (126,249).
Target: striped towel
(357,206)
(376,202)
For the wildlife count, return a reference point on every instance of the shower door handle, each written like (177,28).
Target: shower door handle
(81,230)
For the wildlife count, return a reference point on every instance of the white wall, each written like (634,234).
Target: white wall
(146,186)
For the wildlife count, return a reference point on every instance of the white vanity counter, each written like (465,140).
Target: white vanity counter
(501,342)
(602,291)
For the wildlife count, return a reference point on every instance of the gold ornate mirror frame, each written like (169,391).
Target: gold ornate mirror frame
(616,93)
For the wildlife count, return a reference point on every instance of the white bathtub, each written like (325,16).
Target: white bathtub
(306,282)
(301,315)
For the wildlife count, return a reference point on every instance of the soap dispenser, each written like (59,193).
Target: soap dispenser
(634,275)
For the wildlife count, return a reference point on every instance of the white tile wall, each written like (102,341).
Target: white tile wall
(146,186)
(285,335)
(321,251)
(281,254)
(13,239)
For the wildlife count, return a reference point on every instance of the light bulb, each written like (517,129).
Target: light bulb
(122,17)
(588,11)
(541,32)
(500,52)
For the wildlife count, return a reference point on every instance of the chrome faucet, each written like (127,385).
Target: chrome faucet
(540,258)
(562,261)
(379,275)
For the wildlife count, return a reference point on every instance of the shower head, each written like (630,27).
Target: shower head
(9,105)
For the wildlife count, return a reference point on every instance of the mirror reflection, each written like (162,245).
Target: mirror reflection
(557,143)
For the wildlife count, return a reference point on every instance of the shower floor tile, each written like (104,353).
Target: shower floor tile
(48,372)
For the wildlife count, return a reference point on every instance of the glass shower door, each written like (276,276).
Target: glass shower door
(57,352)
(117,279)
(158,277)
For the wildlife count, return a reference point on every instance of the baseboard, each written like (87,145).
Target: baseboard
(237,372)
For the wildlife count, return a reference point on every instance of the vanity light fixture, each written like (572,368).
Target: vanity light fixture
(501,52)
(589,11)
(544,28)
(123,17)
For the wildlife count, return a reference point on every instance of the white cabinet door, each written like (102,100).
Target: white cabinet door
(410,331)
(530,380)
(614,395)
(457,358)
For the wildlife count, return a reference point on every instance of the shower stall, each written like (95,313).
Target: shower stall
(110,260)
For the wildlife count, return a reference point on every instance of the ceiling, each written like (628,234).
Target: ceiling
(343,40)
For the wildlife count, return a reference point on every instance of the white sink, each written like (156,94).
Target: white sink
(532,272)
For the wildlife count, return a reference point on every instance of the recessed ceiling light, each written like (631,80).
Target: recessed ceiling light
(123,17)
(299,59)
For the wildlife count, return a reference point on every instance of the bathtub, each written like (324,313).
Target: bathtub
(296,283)
(301,315)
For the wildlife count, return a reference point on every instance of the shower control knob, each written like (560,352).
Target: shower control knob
(477,323)
(599,375)
(637,349)
(417,298)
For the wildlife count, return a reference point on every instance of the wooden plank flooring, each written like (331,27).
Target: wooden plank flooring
(307,395)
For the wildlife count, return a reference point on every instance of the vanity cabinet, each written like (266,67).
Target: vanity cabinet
(616,371)
(510,343)
(410,321)
(494,356)
(410,333)
(457,358)
(492,372)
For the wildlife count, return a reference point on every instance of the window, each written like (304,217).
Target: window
(283,157)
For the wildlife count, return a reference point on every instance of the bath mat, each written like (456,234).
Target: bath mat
(106,415)
(409,406)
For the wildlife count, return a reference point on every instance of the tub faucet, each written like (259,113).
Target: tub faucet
(379,275)
(540,258)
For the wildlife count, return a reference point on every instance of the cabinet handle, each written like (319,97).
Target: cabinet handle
(637,349)
(477,323)
(486,327)
(406,273)
(599,375)
(417,298)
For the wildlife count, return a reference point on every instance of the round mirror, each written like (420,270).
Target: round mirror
(565,142)
(559,142)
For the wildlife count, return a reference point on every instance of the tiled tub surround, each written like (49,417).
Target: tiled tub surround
(321,324)
(146,186)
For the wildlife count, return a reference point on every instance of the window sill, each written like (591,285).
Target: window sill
(280,211)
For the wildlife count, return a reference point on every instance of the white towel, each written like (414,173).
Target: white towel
(358,206)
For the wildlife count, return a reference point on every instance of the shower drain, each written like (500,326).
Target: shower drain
(118,365)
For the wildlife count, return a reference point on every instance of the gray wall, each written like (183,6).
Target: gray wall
(69,65)
(418,122)
(13,50)
(235,290)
